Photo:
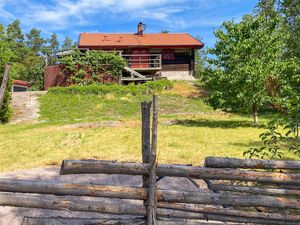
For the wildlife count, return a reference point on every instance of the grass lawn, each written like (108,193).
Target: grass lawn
(189,130)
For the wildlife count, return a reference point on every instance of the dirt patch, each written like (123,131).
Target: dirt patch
(93,125)
(25,106)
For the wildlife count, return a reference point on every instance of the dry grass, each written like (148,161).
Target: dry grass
(185,89)
(190,140)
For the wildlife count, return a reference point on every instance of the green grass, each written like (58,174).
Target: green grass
(70,108)
(188,131)
(189,141)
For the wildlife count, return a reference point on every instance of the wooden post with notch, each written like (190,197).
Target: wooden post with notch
(4,84)
(145,108)
(152,195)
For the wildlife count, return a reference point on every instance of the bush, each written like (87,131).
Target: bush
(102,89)
(6,111)
(92,66)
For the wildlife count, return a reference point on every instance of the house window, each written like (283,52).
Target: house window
(168,54)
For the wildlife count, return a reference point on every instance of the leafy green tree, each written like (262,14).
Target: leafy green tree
(291,12)
(34,71)
(201,68)
(283,134)
(68,43)
(246,55)
(34,40)
(5,56)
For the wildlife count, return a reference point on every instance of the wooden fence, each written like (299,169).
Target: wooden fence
(242,191)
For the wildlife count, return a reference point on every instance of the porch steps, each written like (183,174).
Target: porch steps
(133,72)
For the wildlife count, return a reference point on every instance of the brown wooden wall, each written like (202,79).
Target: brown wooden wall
(175,67)
(53,76)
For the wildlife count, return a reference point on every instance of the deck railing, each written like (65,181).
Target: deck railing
(143,61)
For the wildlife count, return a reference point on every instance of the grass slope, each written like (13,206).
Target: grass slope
(189,130)
(189,141)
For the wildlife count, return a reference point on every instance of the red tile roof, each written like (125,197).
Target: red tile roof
(133,40)
(22,83)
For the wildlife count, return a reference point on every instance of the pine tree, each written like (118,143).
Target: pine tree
(34,40)
(54,44)
(68,43)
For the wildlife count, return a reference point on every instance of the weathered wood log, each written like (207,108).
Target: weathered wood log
(80,221)
(146,111)
(86,221)
(97,206)
(220,162)
(59,188)
(243,216)
(193,197)
(227,199)
(101,206)
(256,190)
(4,83)
(152,200)
(108,167)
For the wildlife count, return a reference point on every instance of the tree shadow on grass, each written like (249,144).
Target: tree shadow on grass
(227,124)
(255,144)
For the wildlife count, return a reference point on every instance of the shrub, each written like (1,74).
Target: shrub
(102,89)
(92,67)
(6,111)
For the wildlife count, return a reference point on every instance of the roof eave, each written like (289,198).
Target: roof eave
(199,46)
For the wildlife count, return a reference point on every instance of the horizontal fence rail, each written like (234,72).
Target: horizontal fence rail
(193,197)
(109,167)
(88,221)
(163,210)
(220,162)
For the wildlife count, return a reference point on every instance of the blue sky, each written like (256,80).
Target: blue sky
(70,17)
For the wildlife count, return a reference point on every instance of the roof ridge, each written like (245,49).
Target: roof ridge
(132,33)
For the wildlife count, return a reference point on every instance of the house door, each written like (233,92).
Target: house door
(139,58)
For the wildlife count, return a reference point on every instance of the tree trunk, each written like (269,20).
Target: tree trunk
(255,114)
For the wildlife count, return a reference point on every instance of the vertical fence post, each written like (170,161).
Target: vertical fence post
(4,83)
(152,196)
(145,108)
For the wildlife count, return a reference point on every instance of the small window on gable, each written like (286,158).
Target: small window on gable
(168,54)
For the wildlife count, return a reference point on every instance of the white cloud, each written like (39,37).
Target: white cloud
(56,15)
(64,12)
(5,13)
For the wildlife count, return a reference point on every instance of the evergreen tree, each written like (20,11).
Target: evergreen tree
(15,38)
(34,40)
(54,44)
(67,44)
(14,33)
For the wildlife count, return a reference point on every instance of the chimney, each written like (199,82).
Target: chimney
(140,28)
